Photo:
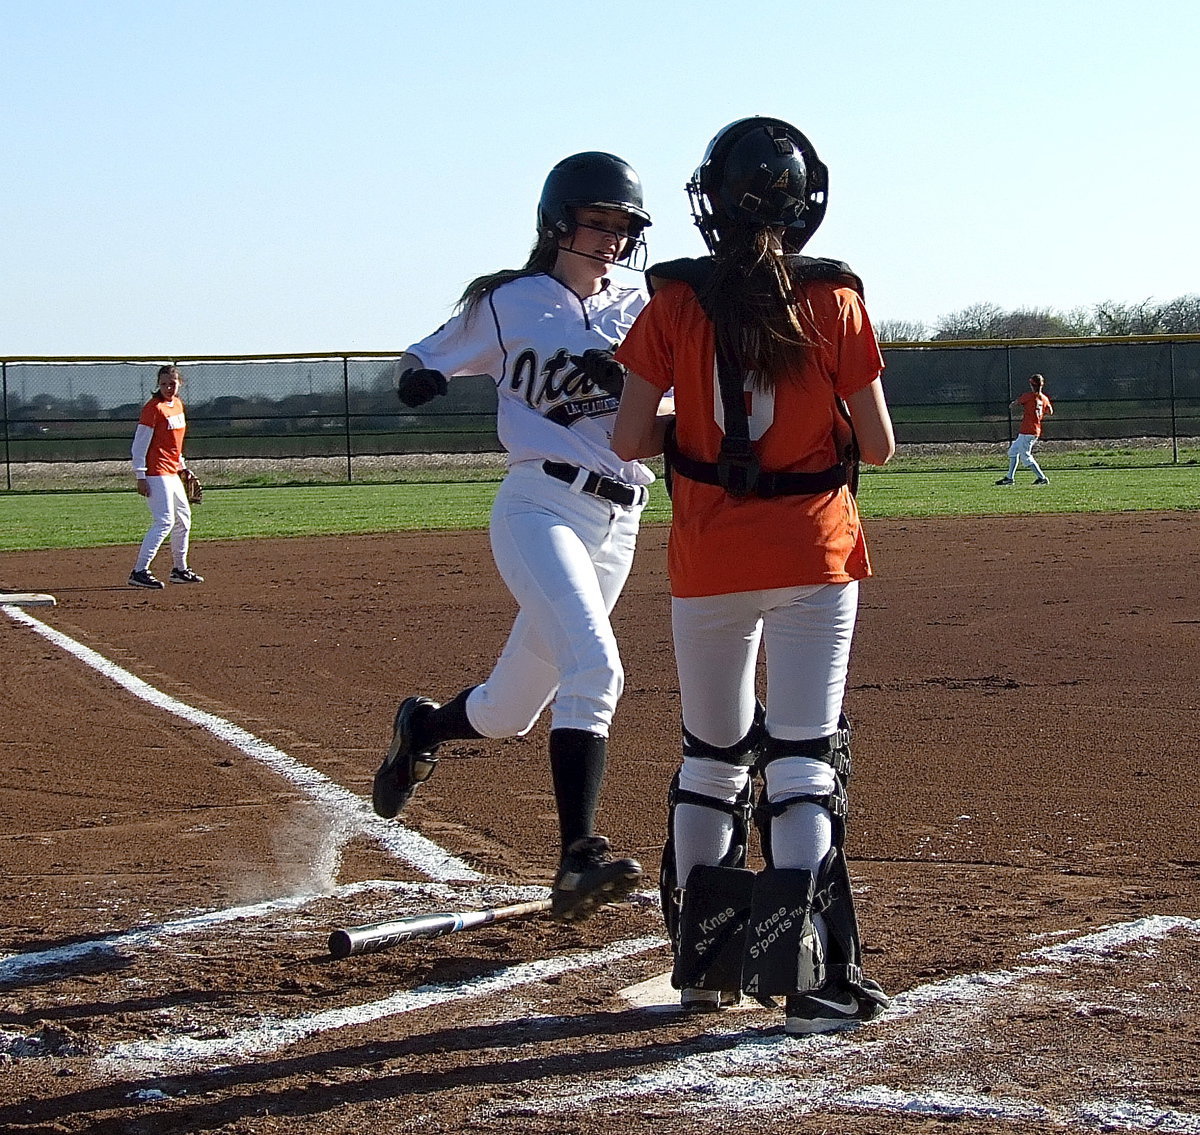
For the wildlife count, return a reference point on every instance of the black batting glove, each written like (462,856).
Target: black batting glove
(416,387)
(602,370)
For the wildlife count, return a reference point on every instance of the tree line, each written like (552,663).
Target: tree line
(1180,316)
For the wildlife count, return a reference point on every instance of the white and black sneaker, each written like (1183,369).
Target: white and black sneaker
(405,766)
(836,1005)
(589,878)
(145,579)
(1005,481)
(185,575)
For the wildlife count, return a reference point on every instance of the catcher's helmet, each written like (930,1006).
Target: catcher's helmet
(759,173)
(596,179)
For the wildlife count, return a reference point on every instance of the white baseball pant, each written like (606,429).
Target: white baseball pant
(1022,450)
(565,556)
(807,633)
(171,514)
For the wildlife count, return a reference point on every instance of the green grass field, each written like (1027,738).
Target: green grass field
(94,519)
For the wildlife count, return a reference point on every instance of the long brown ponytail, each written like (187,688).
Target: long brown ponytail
(541,259)
(755,307)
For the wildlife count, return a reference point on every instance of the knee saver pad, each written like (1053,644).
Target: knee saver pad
(833,750)
(782,950)
(713,917)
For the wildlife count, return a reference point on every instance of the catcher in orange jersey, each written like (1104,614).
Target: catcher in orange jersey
(1034,406)
(776,374)
(164,479)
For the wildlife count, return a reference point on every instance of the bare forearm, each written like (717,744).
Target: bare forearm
(640,427)
(872,424)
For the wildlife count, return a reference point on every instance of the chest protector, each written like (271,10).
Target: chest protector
(737,469)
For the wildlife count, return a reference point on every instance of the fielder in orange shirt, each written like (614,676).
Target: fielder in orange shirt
(1034,406)
(776,377)
(161,474)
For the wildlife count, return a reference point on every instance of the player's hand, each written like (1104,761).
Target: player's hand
(143,487)
(192,487)
(602,370)
(416,387)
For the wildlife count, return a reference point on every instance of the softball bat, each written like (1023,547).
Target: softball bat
(375,936)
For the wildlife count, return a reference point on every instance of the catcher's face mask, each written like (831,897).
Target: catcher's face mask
(759,173)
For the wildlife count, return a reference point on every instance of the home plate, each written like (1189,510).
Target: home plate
(26,599)
(655,993)
(658,993)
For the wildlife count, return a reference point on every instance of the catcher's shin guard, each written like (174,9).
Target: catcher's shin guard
(739,756)
(669,890)
(712,928)
(834,903)
(833,751)
(782,951)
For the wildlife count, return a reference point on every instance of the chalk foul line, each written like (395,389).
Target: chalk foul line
(271,1033)
(16,967)
(345,810)
(771,1071)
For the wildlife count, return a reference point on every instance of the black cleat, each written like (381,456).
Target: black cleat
(403,768)
(836,1005)
(145,579)
(589,878)
(184,575)
(1005,481)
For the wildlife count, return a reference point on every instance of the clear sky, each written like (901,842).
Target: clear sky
(186,177)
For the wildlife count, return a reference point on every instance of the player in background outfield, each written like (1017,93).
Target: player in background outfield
(776,374)
(566,516)
(161,474)
(1034,406)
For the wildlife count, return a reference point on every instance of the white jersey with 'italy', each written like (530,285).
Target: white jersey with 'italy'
(522,335)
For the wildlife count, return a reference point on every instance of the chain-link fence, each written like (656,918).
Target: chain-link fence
(1144,387)
(301,412)
(339,413)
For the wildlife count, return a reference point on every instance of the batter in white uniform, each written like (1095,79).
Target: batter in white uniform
(565,519)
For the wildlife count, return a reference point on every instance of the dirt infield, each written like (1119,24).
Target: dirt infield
(182,823)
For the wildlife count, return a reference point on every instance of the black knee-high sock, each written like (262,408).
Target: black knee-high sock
(577,759)
(446,723)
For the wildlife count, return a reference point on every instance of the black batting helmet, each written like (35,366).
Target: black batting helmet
(595,179)
(759,173)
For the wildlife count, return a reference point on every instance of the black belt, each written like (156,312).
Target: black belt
(595,485)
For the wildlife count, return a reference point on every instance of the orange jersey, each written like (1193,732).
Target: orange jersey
(1033,406)
(166,420)
(722,544)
